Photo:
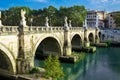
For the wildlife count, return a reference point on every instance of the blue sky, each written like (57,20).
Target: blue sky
(108,5)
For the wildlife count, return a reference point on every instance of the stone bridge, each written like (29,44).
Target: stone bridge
(18,48)
(20,44)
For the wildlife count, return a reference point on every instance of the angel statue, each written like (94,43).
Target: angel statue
(46,23)
(66,24)
(23,21)
(0,20)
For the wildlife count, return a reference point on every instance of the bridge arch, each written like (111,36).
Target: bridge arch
(103,37)
(91,38)
(48,44)
(76,41)
(99,35)
(8,64)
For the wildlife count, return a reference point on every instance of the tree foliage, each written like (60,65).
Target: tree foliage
(53,68)
(56,16)
(116,16)
(12,15)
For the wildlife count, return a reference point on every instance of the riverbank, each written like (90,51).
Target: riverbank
(34,76)
(28,76)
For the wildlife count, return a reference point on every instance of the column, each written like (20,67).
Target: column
(86,41)
(97,39)
(67,42)
(22,62)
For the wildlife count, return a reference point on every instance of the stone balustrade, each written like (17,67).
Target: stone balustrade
(76,28)
(42,28)
(5,29)
(8,29)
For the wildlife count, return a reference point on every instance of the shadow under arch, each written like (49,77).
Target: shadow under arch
(76,42)
(91,38)
(100,37)
(99,34)
(103,36)
(48,46)
(7,61)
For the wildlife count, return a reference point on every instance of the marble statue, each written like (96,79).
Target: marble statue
(23,20)
(66,24)
(0,19)
(0,14)
(46,23)
(85,24)
(70,23)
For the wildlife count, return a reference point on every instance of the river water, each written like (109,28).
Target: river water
(104,64)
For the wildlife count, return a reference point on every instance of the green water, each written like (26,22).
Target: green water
(104,64)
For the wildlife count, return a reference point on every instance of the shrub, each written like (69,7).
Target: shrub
(108,43)
(53,68)
(34,70)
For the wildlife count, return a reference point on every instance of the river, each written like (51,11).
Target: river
(104,64)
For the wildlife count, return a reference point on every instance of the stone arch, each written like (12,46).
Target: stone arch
(91,38)
(103,37)
(76,42)
(43,40)
(9,65)
(99,34)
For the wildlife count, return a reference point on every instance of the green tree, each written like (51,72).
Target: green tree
(75,13)
(12,15)
(56,16)
(53,68)
(116,16)
(78,14)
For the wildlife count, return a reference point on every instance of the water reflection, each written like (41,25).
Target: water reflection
(114,59)
(74,71)
(104,64)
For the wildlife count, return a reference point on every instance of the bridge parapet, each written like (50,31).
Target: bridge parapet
(41,28)
(91,28)
(76,28)
(8,29)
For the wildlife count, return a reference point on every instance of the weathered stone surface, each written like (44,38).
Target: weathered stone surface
(20,45)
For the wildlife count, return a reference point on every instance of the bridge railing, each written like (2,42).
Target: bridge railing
(9,29)
(58,28)
(42,28)
(39,28)
(76,28)
(91,28)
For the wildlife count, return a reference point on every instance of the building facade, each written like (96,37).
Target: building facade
(96,18)
(111,21)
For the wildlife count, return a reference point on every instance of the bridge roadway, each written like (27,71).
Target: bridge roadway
(19,44)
